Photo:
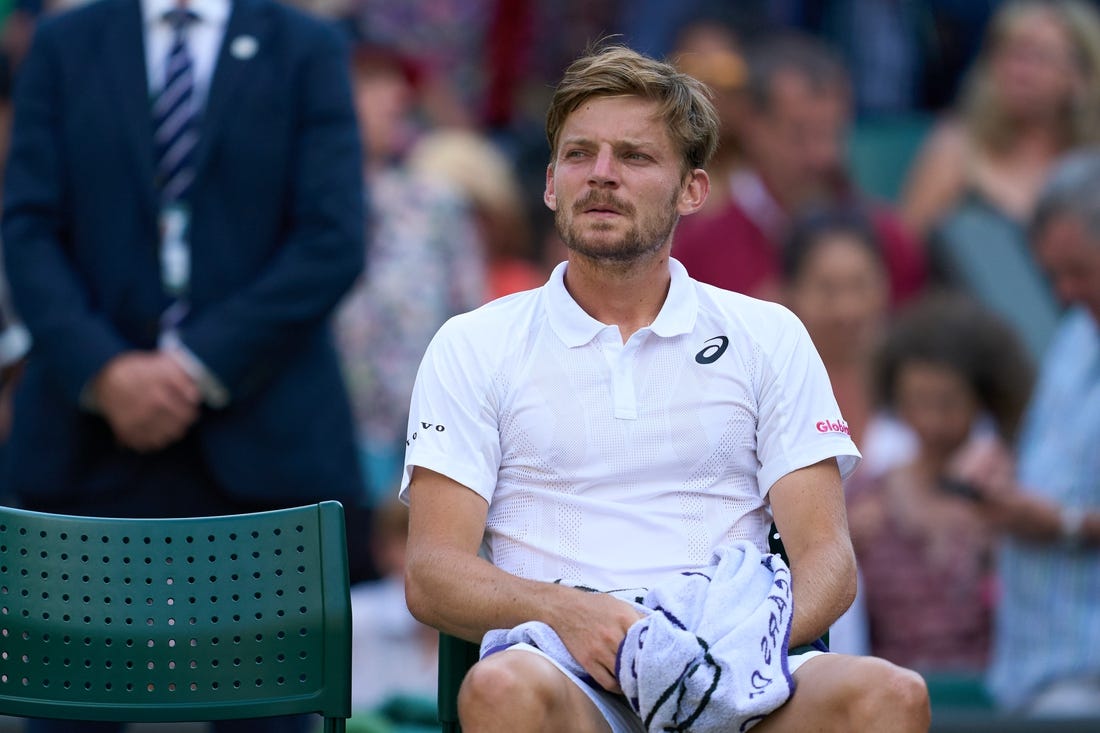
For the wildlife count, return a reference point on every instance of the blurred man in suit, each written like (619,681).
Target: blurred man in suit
(183,209)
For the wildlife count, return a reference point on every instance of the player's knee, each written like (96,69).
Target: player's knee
(893,699)
(489,683)
(506,686)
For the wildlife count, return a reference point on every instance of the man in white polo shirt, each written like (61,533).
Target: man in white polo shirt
(613,428)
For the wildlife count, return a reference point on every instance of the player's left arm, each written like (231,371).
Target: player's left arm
(808,508)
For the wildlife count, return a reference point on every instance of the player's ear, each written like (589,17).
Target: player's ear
(694,193)
(548,195)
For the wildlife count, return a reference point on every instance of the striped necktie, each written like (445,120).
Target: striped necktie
(175,135)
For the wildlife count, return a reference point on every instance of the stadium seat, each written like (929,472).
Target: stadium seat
(171,620)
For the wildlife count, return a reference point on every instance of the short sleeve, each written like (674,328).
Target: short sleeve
(799,421)
(453,426)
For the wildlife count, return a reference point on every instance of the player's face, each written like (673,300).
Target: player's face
(617,184)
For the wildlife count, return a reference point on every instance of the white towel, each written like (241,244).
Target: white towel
(540,636)
(713,654)
(710,656)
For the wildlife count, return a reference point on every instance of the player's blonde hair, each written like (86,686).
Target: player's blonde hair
(614,71)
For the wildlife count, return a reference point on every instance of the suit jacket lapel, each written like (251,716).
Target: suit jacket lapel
(124,62)
(244,41)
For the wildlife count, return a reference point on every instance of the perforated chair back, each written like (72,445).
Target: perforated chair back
(192,619)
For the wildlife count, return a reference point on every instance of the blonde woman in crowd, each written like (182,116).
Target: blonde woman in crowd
(1033,94)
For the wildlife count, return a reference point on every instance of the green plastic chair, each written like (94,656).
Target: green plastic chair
(456,656)
(173,620)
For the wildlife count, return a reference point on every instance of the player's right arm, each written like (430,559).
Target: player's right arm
(450,587)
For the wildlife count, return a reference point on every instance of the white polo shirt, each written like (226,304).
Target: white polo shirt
(612,465)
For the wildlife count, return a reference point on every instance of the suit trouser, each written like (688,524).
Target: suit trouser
(174,482)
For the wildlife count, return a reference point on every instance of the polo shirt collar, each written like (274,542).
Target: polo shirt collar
(576,328)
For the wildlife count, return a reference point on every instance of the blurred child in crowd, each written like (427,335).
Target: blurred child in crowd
(956,375)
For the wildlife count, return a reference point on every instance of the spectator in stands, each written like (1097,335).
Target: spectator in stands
(1046,658)
(421,230)
(837,285)
(882,45)
(798,117)
(954,374)
(446,38)
(709,50)
(473,164)
(1033,94)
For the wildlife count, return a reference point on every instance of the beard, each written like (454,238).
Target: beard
(643,238)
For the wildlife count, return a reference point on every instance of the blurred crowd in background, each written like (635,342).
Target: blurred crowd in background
(880,165)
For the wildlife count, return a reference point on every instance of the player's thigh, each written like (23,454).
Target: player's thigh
(837,692)
(527,687)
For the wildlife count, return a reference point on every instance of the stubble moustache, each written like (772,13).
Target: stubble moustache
(641,239)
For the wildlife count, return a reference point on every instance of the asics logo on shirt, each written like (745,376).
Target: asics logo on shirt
(714,351)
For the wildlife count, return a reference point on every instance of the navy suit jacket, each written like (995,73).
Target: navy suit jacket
(276,239)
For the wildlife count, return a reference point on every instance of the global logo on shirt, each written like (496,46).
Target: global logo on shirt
(834,426)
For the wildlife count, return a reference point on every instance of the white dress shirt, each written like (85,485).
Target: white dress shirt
(204,40)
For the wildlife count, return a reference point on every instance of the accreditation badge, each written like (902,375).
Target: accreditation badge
(175,248)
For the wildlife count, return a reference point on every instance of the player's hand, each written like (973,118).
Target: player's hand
(593,630)
(148,399)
